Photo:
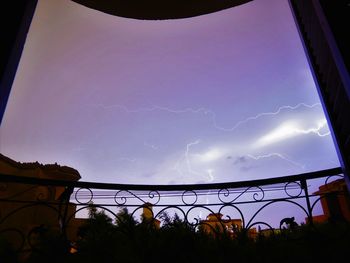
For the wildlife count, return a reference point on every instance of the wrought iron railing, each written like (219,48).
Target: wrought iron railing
(29,204)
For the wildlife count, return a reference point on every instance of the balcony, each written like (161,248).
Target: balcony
(259,207)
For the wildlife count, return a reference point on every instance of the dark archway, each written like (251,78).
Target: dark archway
(322,28)
(159,9)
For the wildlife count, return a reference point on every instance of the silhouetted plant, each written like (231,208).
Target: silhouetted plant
(124,239)
(125,220)
(47,245)
(96,237)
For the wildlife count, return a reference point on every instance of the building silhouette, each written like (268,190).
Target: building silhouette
(30,209)
(335,201)
(147,215)
(215,224)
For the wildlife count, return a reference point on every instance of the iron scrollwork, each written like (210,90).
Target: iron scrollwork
(258,194)
(225,203)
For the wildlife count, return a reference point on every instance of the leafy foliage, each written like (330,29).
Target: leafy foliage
(124,239)
(177,241)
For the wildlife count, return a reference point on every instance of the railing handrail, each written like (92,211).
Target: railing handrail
(111,186)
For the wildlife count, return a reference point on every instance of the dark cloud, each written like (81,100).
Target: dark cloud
(244,163)
(241,159)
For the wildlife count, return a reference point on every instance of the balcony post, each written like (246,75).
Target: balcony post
(308,204)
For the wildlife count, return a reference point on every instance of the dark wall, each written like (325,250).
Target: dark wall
(15,16)
(337,13)
(324,28)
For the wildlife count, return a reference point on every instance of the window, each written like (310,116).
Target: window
(221,97)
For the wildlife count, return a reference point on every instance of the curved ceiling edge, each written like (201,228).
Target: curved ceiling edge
(159,9)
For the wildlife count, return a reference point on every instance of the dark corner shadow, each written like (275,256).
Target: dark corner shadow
(159,9)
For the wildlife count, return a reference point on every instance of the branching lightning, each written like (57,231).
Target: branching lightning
(183,165)
(290,129)
(278,111)
(278,155)
(185,158)
(316,130)
(211,113)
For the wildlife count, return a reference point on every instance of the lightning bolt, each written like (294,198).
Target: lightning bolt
(316,130)
(278,155)
(288,130)
(278,111)
(185,158)
(210,113)
(210,174)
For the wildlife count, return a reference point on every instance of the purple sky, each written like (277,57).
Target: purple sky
(222,97)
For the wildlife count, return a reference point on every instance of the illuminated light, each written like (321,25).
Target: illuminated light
(284,131)
(290,129)
(320,125)
(278,111)
(210,155)
(210,174)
